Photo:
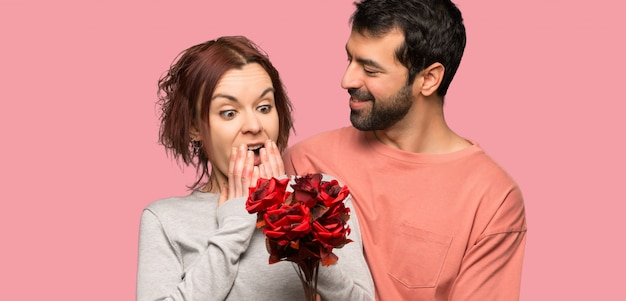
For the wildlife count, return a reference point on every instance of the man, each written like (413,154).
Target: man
(440,219)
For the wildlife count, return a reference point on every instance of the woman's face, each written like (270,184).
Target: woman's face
(242,111)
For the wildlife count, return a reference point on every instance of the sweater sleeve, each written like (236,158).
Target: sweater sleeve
(491,268)
(160,273)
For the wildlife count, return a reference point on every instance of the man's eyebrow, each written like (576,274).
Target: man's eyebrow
(231,98)
(368,62)
(364,61)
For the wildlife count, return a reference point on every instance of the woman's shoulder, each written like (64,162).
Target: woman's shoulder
(184,220)
(194,202)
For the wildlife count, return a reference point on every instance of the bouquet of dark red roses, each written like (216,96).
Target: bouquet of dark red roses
(302,226)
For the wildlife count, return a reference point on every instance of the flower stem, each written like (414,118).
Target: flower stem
(309,282)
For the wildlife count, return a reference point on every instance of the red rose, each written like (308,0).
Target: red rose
(266,193)
(329,236)
(306,189)
(331,231)
(279,253)
(287,224)
(303,226)
(338,211)
(331,192)
(301,252)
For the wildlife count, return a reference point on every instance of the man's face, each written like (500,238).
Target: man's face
(376,81)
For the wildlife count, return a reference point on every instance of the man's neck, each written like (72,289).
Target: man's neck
(423,130)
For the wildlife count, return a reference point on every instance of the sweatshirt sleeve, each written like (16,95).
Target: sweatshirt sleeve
(349,278)
(491,268)
(294,166)
(160,274)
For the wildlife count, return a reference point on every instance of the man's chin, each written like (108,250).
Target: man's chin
(356,118)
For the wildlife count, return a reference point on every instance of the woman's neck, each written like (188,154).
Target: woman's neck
(213,185)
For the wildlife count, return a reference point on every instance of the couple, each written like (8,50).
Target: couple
(433,217)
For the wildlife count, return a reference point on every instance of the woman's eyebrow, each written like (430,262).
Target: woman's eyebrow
(232,98)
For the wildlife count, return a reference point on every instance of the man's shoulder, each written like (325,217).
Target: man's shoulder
(329,137)
(481,166)
(322,151)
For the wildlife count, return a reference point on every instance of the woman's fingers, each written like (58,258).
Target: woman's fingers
(242,174)
(223,195)
(278,166)
(271,161)
(246,176)
(231,171)
(238,171)
(264,168)
(256,173)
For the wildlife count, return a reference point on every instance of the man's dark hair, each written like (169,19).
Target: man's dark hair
(433,32)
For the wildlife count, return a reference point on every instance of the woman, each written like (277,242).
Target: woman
(225,111)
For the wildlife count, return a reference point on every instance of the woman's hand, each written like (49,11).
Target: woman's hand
(242,174)
(271,161)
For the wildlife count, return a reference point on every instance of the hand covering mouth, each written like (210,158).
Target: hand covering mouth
(256,148)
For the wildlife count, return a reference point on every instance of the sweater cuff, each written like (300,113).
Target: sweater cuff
(235,209)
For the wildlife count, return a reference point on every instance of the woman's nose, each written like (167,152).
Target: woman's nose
(252,124)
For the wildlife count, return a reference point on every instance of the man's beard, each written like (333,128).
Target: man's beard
(383,113)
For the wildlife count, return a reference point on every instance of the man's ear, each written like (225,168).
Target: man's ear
(430,79)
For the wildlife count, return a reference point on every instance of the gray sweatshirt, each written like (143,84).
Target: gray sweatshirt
(191,249)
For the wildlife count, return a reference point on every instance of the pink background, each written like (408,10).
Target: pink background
(540,88)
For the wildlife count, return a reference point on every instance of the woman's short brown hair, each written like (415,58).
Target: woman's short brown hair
(187,88)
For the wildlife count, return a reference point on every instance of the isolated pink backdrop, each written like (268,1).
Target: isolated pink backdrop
(540,88)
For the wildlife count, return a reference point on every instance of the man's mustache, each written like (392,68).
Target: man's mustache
(361,94)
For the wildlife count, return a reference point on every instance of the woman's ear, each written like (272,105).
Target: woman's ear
(195,134)
(431,78)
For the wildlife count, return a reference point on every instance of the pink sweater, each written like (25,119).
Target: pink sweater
(435,227)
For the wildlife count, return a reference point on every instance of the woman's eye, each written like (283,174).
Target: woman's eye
(228,114)
(264,109)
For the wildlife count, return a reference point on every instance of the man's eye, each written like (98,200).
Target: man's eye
(369,72)
(228,114)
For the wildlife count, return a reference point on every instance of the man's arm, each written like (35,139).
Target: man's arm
(492,267)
